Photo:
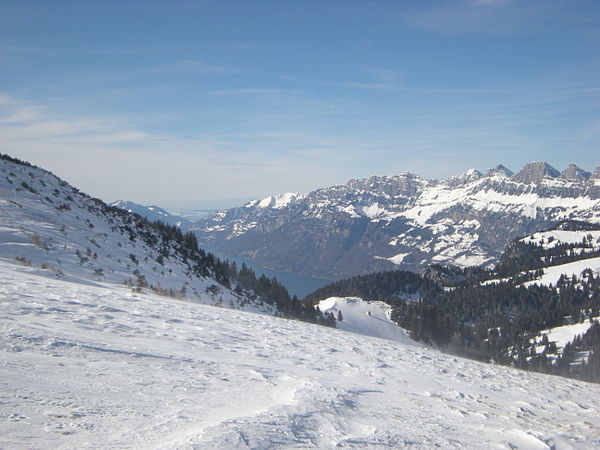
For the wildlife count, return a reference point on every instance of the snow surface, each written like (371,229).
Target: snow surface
(552,274)
(550,239)
(100,366)
(396,259)
(564,334)
(368,318)
(276,201)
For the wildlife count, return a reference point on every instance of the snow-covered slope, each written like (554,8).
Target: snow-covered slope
(552,274)
(368,318)
(585,244)
(153,213)
(562,335)
(402,221)
(97,366)
(48,224)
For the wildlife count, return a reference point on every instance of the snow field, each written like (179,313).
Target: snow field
(563,334)
(552,274)
(101,366)
(368,318)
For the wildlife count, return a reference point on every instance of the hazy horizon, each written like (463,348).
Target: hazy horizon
(200,104)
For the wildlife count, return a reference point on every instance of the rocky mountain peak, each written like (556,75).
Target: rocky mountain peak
(534,172)
(596,174)
(277,201)
(466,177)
(574,173)
(499,170)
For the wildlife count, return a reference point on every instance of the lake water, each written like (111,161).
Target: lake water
(296,284)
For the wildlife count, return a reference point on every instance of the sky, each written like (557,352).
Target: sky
(208,104)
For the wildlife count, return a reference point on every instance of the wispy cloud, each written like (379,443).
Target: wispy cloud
(192,66)
(393,87)
(494,16)
(89,151)
(246,91)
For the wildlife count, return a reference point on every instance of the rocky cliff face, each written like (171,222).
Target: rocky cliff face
(402,221)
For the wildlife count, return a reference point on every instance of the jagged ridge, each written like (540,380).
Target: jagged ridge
(403,221)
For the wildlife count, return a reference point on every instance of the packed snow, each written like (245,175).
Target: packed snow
(97,365)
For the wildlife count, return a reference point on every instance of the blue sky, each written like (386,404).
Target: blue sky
(211,103)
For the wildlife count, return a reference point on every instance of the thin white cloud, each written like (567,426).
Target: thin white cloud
(246,91)
(109,160)
(192,66)
(393,87)
(494,16)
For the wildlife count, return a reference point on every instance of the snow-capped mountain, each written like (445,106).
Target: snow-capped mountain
(54,229)
(101,366)
(153,213)
(402,221)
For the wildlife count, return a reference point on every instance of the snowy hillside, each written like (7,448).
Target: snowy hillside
(361,317)
(561,336)
(101,366)
(47,224)
(402,221)
(584,245)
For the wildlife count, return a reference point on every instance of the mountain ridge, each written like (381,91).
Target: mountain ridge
(403,221)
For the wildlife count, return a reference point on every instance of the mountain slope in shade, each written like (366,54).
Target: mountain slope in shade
(403,221)
(101,366)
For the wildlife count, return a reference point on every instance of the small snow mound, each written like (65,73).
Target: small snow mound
(368,318)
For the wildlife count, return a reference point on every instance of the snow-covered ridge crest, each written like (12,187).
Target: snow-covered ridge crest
(276,201)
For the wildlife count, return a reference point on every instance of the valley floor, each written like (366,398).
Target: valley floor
(100,366)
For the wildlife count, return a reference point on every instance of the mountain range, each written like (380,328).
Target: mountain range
(402,221)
